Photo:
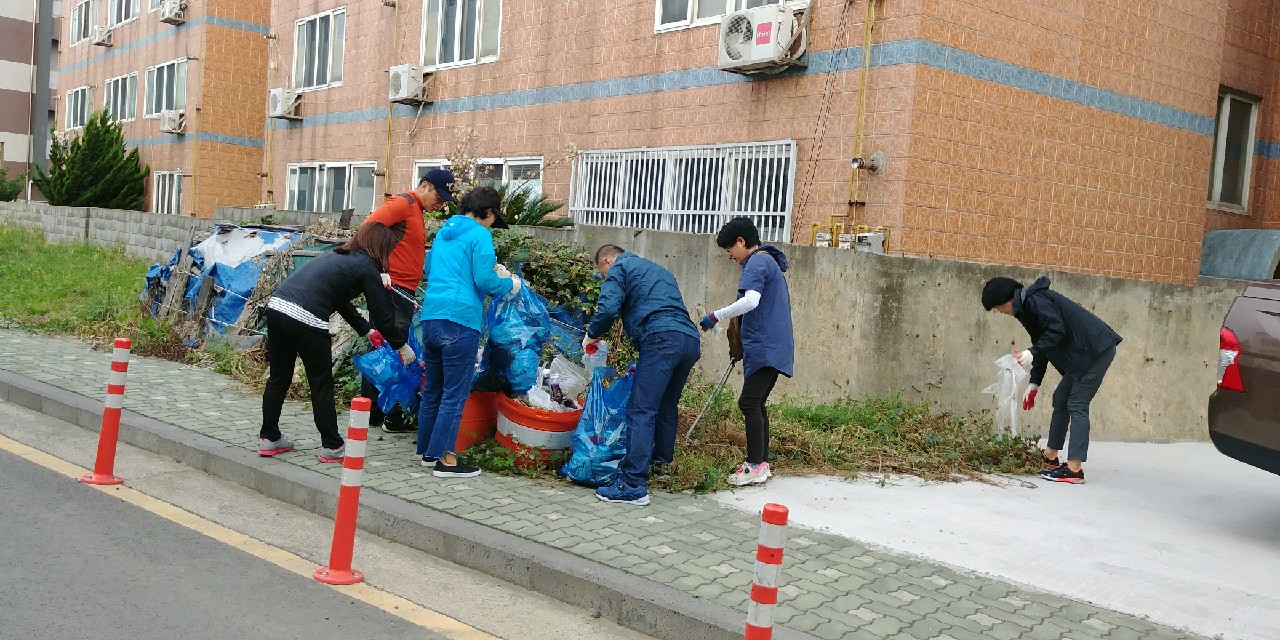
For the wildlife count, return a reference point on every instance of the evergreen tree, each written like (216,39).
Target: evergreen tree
(11,189)
(94,169)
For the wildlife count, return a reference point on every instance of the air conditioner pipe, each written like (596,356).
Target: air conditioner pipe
(855,184)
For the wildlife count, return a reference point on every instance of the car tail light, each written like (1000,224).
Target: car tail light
(1228,368)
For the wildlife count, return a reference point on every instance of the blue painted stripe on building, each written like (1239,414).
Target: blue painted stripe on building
(1266,149)
(179,138)
(217,21)
(914,51)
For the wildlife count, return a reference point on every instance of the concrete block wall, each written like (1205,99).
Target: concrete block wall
(885,324)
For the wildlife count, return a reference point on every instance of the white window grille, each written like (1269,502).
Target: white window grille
(121,98)
(166,196)
(332,187)
(673,14)
(83,15)
(319,45)
(122,11)
(155,5)
(687,189)
(456,32)
(166,87)
(520,173)
(1233,141)
(78,107)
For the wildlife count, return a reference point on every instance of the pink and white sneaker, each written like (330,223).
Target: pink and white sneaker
(749,474)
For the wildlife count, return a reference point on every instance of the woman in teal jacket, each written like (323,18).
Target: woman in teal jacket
(461,270)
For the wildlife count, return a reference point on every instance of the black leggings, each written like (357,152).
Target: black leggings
(755,393)
(288,339)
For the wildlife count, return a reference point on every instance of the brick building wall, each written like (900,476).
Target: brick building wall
(1074,136)
(219,154)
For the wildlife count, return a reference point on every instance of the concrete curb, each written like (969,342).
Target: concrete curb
(636,603)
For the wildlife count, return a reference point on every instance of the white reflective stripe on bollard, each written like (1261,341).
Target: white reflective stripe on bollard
(117,378)
(114,401)
(351,477)
(356,448)
(773,536)
(759,615)
(120,355)
(767,574)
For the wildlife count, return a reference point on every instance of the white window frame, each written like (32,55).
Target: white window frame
(83,16)
(179,91)
(507,165)
(340,40)
(1225,99)
(166,192)
(114,19)
(111,86)
(692,189)
(154,5)
(79,99)
(691,12)
(431,41)
(320,195)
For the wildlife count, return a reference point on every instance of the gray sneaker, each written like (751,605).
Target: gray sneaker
(332,455)
(267,448)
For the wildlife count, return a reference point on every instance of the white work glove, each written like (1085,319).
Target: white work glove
(588,341)
(1029,397)
(502,270)
(386,280)
(407,355)
(1025,359)
(515,286)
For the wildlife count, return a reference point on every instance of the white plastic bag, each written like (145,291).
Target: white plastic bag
(1008,387)
(538,398)
(573,378)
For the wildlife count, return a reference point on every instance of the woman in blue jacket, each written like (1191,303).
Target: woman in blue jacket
(461,270)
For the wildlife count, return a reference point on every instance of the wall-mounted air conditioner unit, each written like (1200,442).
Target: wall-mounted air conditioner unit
(265,205)
(757,39)
(173,12)
(100,36)
(406,84)
(283,103)
(172,121)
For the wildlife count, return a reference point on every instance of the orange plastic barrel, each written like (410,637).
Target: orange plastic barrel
(535,435)
(479,419)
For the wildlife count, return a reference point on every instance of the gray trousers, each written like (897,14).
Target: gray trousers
(1071,406)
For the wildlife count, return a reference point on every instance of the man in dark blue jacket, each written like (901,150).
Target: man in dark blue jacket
(654,316)
(1078,344)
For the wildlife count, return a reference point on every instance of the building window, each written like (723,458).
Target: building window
(520,173)
(166,196)
(332,187)
(154,5)
(122,11)
(1233,150)
(683,13)
(166,88)
(318,45)
(687,189)
(82,19)
(78,109)
(456,32)
(122,98)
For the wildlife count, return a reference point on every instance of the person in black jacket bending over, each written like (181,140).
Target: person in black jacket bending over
(1078,344)
(298,326)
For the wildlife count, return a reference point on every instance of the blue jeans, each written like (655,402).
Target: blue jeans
(449,351)
(652,412)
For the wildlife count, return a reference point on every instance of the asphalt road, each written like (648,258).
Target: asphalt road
(77,563)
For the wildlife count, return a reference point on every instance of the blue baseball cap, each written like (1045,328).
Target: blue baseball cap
(442,180)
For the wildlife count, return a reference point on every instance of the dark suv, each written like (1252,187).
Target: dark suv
(1244,412)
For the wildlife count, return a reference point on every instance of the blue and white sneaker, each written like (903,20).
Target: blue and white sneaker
(624,494)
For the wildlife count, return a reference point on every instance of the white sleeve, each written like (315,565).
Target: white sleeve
(749,300)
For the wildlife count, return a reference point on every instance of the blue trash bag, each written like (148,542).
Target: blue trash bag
(600,440)
(396,383)
(568,326)
(519,328)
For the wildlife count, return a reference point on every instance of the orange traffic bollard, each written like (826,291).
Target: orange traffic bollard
(104,464)
(339,569)
(764,586)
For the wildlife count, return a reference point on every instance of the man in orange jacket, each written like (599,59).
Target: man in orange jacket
(403,214)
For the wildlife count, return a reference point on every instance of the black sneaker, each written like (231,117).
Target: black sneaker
(395,426)
(1064,474)
(428,461)
(1052,464)
(458,470)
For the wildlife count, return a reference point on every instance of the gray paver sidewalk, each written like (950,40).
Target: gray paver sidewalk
(833,588)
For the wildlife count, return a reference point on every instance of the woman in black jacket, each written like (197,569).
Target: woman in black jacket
(298,326)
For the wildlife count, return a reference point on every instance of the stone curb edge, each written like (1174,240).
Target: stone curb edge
(631,601)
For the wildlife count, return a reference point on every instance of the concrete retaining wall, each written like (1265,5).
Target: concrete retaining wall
(864,323)
(151,236)
(877,324)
